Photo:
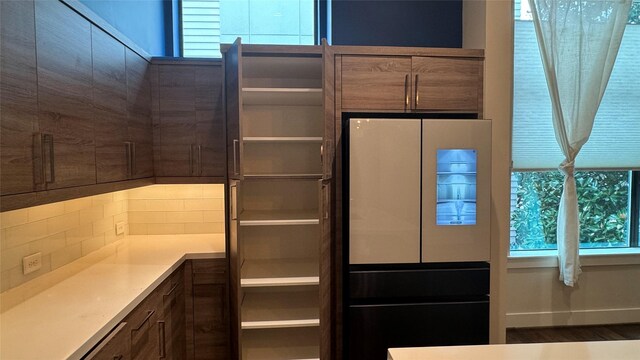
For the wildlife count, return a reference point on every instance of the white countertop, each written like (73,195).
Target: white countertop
(69,318)
(592,350)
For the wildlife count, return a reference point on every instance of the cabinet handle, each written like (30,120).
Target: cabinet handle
(321,154)
(127,145)
(38,159)
(406,92)
(235,156)
(118,357)
(149,314)
(162,340)
(234,198)
(191,159)
(326,205)
(200,160)
(50,176)
(133,159)
(417,97)
(172,289)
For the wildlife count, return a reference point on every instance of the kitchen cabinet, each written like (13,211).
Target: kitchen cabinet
(411,83)
(18,100)
(189,135)
(65,110)
(139,123)
(172,320)
(276,132)
(117,345)
(210,316)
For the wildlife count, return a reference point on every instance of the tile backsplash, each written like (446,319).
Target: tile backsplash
(68,230)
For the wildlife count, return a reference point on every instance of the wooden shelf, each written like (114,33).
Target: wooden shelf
(279,217)
(281,344)
(281,309)
(282,96)
(282,139)
(283,176)
(279,272)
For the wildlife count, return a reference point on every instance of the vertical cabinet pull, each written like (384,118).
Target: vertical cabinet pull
(326,204)
(127,145)
(235,156)
(133,159)
(191,159)
(162,339)
(38,159)
(417,97)
(233,202)
(406,92)
(200,160)
(48,158)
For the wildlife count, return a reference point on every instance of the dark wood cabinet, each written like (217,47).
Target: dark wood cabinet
(19,171)
(189,121)
(117,345)
(110,107)
(210,315)
(139,124)
(65,111)
(172,322)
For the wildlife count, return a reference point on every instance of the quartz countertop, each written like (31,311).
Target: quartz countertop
(596,350)
(67,319)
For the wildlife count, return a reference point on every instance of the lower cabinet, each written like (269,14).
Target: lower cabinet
(185,317)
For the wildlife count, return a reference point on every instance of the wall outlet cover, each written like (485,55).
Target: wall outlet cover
(120,228)
(31,263)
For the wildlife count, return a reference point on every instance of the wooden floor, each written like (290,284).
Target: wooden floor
(574,333)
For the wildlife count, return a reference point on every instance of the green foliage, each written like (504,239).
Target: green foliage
(634,13)
(603,202)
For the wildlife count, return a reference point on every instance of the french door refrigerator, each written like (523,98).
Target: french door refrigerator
(417,202)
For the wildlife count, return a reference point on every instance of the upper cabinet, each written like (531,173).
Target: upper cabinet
(65,111)
(18,100)
(188,120)
(139,124)
(440,83)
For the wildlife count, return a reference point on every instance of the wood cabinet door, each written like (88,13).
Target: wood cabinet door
(235,264)
(173,324)
(328,87)
(327,320)
(145,333)
(139,125)
(233,106)
(210,142)
(18,99)
(210,308)
(177,123)
(65,94)
(376,82)
(110,106)
(117,345)
(447,84)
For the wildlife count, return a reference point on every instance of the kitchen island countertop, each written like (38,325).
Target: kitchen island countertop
(590,350)
(67,319)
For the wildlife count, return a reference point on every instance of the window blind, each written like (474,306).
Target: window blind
(201,28)
(615,139)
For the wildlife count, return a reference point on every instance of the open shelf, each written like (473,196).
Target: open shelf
(279,272)
(279,217)
(280,309)
(281,344)
(282,96)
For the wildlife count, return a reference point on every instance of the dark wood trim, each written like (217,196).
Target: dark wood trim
(13,202)
(98,21)
(276,50)
(634,233)
(407,51)
(191,180)
(165,60)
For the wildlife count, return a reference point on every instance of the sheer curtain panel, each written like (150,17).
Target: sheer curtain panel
(578,42)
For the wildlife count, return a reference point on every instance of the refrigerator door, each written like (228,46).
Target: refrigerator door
(384,188)
(456,190)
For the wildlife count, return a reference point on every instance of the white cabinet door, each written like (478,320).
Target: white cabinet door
(384,191)
(456,190)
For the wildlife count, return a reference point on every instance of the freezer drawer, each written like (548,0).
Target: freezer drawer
(375,328)
(428,282)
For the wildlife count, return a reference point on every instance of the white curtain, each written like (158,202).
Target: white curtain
(578,43)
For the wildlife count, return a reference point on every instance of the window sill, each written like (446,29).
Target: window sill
(588,257)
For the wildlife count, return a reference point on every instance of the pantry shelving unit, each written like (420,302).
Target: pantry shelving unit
(275,133)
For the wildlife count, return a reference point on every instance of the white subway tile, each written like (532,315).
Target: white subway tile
(49,244)
(213,191)
(79,234)
(189,191)
(137,205)
(45,211)
(213,216)
(66,255)
(26,233)
(11,258)
(183,216)
(63,222)
(13,218)
(162,229)
(101,199)
(202,204)
(102,226)
(88,216)
(93,244)
(120,195)
(165,205)
(113,208)
(202,228)
(147,217)
(16,277)
(77,204)
(137,229)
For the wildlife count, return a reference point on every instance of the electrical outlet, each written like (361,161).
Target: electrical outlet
(120,228)
(31,263)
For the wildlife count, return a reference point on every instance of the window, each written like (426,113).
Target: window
(208,23)
(609,202)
